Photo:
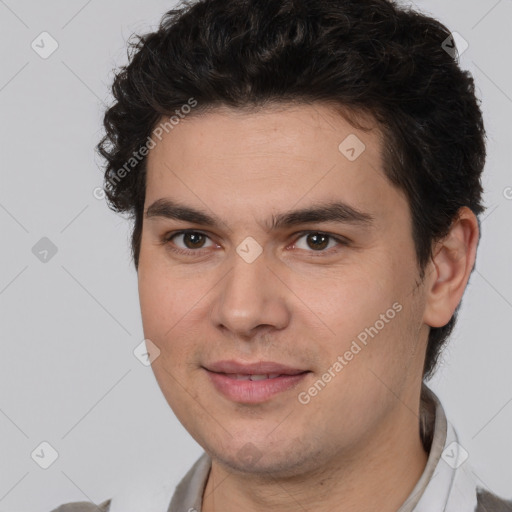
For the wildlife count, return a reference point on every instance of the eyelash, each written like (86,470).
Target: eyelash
(198,252)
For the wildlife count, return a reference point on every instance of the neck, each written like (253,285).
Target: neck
(377,475)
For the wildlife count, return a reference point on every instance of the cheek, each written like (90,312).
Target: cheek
(372,315)
(355,301)
(155,302)
(160,298)
(164,319)
(170,306)
(160,305)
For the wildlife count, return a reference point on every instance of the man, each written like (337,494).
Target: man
(304,179)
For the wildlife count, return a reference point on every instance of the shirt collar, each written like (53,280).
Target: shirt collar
(447,483)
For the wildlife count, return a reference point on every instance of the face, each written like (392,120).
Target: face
(278,331)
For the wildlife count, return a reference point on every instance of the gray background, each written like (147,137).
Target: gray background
(70,324)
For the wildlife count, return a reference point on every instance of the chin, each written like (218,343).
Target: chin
(252,459)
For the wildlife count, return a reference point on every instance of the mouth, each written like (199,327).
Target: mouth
(257,368)
(253,377)
(255,382)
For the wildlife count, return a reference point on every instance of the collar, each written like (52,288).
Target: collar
(447,483)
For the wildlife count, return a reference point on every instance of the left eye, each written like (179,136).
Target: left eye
(318,241)
(192,239)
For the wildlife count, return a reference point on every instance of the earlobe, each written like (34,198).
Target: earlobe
(450,267)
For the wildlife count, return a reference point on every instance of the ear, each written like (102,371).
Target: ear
(448,273)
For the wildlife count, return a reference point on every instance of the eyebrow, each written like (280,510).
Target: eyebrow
(337,211)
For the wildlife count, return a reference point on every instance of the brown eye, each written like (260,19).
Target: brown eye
(187,242)
(317,241)
(193,240)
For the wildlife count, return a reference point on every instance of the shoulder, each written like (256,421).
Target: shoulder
(83,506)
(489,502)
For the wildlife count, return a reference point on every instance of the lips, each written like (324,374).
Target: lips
(257,368)
(253,383)
(244,376)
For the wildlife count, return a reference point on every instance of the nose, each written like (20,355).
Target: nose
(251,298)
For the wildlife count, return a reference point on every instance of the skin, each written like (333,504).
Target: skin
(356,444)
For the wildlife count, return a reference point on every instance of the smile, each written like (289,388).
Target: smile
(253,388)
(241,376)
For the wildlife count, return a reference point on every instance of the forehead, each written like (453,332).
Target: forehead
(285,154)
(301,131)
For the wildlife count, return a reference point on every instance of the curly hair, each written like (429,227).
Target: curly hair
(364,56)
